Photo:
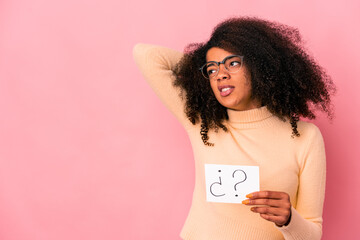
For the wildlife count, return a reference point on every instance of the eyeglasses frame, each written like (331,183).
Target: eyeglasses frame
(222,62)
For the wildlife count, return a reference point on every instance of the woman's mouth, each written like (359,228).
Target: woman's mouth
(225,90)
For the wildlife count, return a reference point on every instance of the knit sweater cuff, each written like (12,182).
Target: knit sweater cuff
(300,228)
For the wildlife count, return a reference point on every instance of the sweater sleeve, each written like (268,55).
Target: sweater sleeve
(306,219)
(156,64)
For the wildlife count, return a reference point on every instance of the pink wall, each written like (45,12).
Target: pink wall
(87,151)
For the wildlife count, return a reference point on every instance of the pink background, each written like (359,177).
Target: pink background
(87,151)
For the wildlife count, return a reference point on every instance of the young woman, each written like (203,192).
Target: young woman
(240,96)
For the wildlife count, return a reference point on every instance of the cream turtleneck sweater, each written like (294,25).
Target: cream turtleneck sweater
(255,138)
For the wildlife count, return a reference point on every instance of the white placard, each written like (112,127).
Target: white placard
(230,183)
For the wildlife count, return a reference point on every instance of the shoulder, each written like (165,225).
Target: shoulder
(310,139)
(312,148)
(308,131)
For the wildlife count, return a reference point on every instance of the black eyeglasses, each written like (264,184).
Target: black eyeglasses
(232,64)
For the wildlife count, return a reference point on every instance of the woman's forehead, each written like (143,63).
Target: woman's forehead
(217,54)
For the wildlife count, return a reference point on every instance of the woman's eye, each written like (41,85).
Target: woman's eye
(211,71)
(234,63)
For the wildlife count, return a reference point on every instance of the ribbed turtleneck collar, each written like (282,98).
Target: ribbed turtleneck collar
(250,118)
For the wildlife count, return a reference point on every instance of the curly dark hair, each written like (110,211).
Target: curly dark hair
(284,78)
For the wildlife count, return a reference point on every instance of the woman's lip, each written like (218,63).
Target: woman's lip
(225,86)
(227,92)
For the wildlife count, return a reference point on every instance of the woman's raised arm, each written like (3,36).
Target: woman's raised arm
(156,63)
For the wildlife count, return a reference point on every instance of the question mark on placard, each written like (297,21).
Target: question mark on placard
(245,177)
(216,183)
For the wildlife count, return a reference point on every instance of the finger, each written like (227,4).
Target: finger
(271,211)
(266,202)
(279,220)
(268,194)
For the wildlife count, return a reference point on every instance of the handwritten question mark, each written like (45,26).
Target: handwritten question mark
(216,183)
(245,177)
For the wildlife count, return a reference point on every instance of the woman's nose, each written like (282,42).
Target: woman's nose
(223,73)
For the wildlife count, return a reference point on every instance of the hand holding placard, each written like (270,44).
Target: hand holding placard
(230,183)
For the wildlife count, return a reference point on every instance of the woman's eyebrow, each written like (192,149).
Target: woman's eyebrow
(211,63)
(227,57)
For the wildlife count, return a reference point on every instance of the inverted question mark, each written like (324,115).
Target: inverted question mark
(245,177)
(216,183)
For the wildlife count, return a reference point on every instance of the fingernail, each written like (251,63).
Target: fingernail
(252,209)
(249,195)
(246,201)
